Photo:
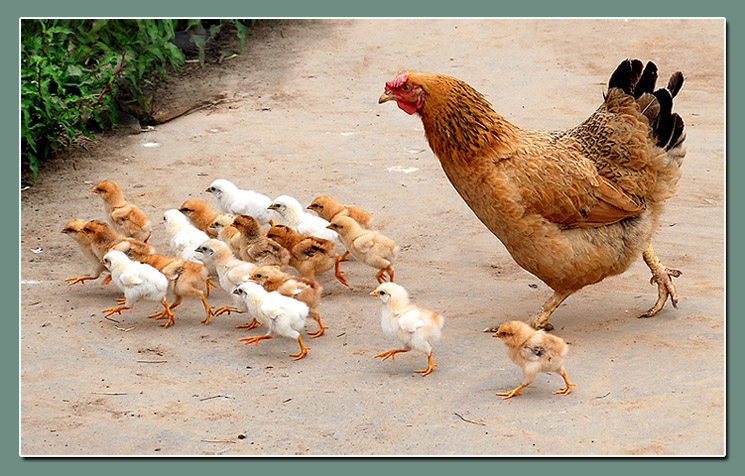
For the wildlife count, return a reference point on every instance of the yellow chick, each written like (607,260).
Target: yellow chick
(74,229)
(104,238)
(223,229)
(255,247)
(305,290)
(309,255)
(202,216)
(186,279)
(328,207)
(535,351)
(368,246)
(416,328)
(128,218)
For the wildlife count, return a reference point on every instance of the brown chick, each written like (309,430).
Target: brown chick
(186,279)
(104,238)
(328,207)
(305,290)
(74,229)
(255,247)
(370,247)
(571,206)
(128,218)
(309,255)
(202,216)
(536,352)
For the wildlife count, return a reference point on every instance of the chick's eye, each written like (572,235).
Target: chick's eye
(382,293)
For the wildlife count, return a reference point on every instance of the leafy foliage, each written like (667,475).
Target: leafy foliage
(73,71)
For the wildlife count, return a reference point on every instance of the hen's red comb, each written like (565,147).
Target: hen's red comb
(398,81)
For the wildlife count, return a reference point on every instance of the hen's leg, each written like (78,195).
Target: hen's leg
(430,366)
(540,320)
(663,276)
(390,353)
(568,389)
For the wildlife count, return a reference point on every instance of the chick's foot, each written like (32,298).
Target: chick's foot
(390,353)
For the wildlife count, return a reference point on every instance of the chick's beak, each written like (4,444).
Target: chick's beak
(374,293)
(272,207)
(235,291)
(386,96)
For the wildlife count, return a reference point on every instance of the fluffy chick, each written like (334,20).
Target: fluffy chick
(328,207)
(303,222)
(183,236)
(305,290)
(186,279)
(256,247)
(74,229)
(202,216)
(137,281)
(416,328)
(128,218)
(280,314)
(104,238)
(534,351)
(309,255)
(368,246)
(235,201)
(224,230)
(231,272)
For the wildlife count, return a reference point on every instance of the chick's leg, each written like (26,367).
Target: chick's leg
(223,309)
(568,389)
(249,325)
(303,350)
(207,308)
(166,312)
(339,273)
(254,339)
(322,329)
(79,279)
(663,276)
(512,393)
(209,284)
(528,377)
(114,310)
(430,366)
(390,353)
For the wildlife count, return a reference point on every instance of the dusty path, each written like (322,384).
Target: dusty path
(299,115)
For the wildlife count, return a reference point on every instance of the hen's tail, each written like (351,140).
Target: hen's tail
(667,127)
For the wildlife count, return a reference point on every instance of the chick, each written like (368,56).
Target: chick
(328,207)
(128,218)
(235,201)
(415,327)
(224,230)
(201,216)
(231,272)
(186,279)
(534,351)
(370,247)
(303,222)
(74,229)
(309,255)
(305,290)
(183,236)
(137,281)
(104,238)
(280,314)
(256,247)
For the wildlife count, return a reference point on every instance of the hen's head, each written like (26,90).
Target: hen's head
(408,93)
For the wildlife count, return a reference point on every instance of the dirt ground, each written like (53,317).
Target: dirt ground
(297,114)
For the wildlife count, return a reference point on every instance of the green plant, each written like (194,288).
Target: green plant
(73,71)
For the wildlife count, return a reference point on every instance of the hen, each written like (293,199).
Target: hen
(572,207)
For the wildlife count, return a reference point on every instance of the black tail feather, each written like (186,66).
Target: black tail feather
(663,123)
(678,127)
(621,77)
(675,83)
(647,81)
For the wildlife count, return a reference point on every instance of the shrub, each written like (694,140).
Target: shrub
(73,70)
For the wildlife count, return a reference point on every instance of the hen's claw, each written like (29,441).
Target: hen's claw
(662,275)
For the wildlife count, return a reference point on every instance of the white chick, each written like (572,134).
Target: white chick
(415,327)
(231,272)
(137,281)
(235,201)
(301,221)
(280,314)
(184,237)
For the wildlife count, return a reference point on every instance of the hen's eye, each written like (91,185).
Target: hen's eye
(407,87)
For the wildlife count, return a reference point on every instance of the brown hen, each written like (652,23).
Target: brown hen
(572,207)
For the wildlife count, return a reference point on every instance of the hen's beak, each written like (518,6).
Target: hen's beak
(374,293)
(386,96)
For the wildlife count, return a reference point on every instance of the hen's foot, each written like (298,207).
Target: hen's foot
(663,276)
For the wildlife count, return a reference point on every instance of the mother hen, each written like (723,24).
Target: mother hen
(572,207)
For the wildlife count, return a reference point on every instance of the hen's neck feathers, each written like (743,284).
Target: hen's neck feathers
(460,123)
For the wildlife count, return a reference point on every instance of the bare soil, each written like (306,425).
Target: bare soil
(296,113)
